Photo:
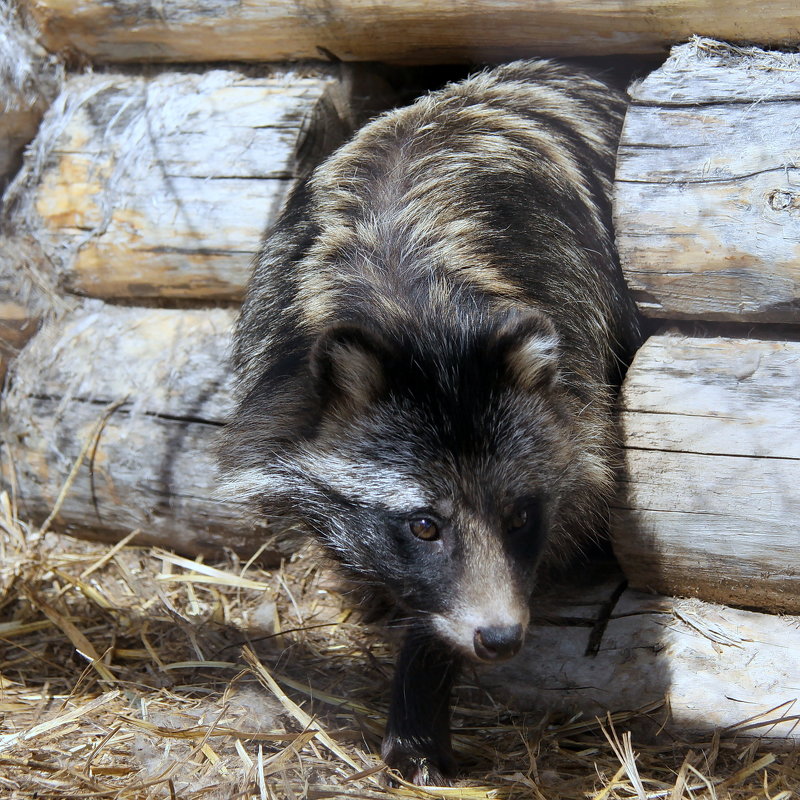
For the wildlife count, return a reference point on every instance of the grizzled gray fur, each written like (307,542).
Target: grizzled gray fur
(427,362)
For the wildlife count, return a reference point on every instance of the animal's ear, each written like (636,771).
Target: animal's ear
(529,347)
(347,364)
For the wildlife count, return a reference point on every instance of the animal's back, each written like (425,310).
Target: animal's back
(487,195)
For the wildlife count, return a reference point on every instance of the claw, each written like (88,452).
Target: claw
(421,769)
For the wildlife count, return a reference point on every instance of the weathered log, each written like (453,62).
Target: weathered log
(29,78)
(711,493)
(162,186)
(716,668)
(136,398)
(707,198)
(404,30)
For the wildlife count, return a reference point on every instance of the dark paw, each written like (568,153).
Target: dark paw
(429,766)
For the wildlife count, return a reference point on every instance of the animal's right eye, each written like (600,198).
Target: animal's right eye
(424,528)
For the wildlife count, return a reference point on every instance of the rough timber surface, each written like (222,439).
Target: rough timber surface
(161,186)
(710,497)
(26,295)
(707,207)
(718,669)
(139,395)
(403,30)
(28,81)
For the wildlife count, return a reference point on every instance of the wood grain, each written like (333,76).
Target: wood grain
(409,31)
(162,186)
(714,669)
(147,390)
(710,496)
(707,206)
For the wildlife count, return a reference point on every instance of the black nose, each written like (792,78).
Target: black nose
(497,642)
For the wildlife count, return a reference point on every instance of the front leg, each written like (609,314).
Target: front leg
(417,739)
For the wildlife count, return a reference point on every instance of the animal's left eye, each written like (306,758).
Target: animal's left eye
(519,519)
(523,517)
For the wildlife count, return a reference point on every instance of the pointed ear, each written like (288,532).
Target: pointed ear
(347,363)
(529,347)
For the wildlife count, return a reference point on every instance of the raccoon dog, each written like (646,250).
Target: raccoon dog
(426,364)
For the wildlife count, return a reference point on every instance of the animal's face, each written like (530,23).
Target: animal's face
(441,476)
(431,467)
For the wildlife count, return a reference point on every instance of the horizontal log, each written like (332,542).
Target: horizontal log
(710,500)
(137,396)
(162,186)
(707,199)
(408,31)
(715,668)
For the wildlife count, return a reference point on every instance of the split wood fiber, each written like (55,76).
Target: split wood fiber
(29,79)
(707,207)
(27,295)
(161,186)
(135,398)
(404,30)
(16,327)
(710,497)
(719,669)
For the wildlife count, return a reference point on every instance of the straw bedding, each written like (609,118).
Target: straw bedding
(129,672)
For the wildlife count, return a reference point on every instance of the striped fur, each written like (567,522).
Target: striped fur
(435,328)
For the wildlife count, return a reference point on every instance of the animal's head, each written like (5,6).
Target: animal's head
(434,465)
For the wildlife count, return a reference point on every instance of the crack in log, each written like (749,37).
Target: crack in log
(629,410)
(188,419)
(674,511)
(667,105)
(194,251)
(677,451)
(673,181)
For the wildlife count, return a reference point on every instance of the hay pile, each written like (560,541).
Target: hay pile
(128,672)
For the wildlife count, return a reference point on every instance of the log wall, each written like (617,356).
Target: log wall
(707,229)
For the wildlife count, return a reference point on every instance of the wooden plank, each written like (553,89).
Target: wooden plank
(710,496)
(162,186)
(405,30)
(716,668)
(707,199)
(146,390)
